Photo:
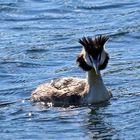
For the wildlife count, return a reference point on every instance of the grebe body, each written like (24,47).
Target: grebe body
(78,91)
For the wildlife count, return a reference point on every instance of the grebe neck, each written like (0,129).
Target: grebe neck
(93,79)
(97,91)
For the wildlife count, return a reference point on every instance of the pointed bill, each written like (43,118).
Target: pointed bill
(96,66)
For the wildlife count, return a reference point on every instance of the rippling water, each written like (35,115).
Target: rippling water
(38,42)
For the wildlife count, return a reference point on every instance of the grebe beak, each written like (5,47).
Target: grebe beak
(95,65)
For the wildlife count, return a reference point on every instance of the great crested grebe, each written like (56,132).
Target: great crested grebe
(77,91)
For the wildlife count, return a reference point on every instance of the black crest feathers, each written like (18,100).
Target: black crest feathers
(98,42)
(93,46)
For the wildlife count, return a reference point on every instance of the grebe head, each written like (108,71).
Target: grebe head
(94,55)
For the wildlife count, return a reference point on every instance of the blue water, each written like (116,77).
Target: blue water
(39,42)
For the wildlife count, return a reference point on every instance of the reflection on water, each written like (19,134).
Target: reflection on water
(97,127)
(39,42)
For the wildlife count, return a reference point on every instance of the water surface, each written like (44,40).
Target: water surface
(39,42)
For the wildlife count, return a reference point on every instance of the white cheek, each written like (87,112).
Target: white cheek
(87,60)
(103,56)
